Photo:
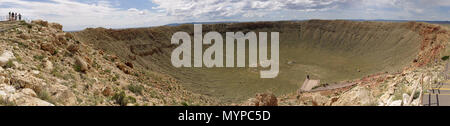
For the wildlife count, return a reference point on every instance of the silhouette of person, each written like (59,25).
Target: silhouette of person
(15,18)
(12,16)
(20,17)
(9,16)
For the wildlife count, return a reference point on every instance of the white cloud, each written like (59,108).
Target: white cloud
(220,8)
(77,15)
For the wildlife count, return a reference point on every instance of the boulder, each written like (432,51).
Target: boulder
(6,89)
(396,103)
(23,79)
(31,101)
(123,67)
(107,91)
(129,64)
(405,99)
(266,99)
(24,36)
(356,96)
(55,26)
(49,48)
(73,48)
(83,65)
(48,65)
(6,57)
(26,97)
(28,92)
(62,94)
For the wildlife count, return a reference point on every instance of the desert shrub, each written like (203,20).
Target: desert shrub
(135,88)
(184,104)
(115,78)
(77,68)
(445,58)
(44,95)
(39,57)
(416,95)
(9,64)
(122,99)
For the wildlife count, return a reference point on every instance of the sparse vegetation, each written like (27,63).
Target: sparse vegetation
(44,95)
(115,77)
(9,64)
(137,89)
(416,95)
(184,104)
(39,57)
(77,68)
(122,99)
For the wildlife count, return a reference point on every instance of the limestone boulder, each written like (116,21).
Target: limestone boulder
(5,57)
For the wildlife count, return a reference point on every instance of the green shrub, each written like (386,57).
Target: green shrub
(39,57)
(77,68)
(445,58)
(116,77)
(44,95)
(9,64)
(122,99)
(184,104)
(136,89)
(416,95)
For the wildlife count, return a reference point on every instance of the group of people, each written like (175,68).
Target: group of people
(14,16)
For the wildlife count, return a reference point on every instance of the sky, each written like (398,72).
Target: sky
(81,14)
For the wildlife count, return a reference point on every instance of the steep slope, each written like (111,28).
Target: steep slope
(42,65)
(332,51)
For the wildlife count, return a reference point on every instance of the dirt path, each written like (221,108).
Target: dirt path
(334,86)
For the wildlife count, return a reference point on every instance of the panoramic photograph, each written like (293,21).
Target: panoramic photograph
(224,53)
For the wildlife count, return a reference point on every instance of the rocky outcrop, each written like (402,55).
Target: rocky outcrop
(40,22)
(25,97)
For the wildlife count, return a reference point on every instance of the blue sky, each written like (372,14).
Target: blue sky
(80,14)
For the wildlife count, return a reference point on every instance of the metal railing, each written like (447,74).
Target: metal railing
(6,18)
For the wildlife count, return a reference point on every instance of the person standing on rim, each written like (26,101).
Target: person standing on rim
(20,17)
(9,16)
(15,18)
(12,16)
